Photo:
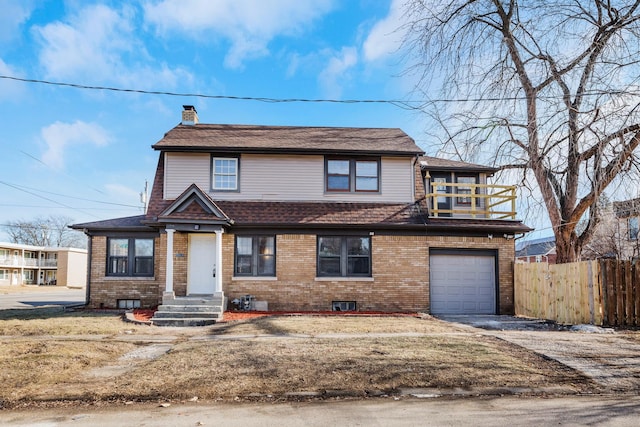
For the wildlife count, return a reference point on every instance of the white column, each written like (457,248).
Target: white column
(169,279)
(218,284)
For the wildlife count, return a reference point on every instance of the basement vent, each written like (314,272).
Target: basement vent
(343,306)
(128,303)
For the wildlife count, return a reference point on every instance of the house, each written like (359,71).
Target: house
(537,250)
(627,216)
(309,219)
(38,265)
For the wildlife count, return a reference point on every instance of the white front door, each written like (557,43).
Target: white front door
(202,264)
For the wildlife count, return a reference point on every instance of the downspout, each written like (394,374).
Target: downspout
(90,256)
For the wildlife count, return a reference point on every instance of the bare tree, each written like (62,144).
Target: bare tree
(51,231)
(551,90)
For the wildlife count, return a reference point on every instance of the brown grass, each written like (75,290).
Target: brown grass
(316,325)
(32,366)
(54,321)
(295,356)
(277,366)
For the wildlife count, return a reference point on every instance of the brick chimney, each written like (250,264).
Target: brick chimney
(189,115)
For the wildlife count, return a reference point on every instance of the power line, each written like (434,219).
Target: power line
(404,104)
(57,171)
(70,197)
(46,198)
(398,103)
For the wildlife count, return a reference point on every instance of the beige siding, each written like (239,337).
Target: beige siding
(283,177)
(183,169)
(72,268)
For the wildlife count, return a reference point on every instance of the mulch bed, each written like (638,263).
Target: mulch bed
(145,315)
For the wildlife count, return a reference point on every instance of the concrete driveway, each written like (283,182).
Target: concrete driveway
(19,297)
(610,358)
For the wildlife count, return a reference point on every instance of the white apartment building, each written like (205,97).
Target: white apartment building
(37,265)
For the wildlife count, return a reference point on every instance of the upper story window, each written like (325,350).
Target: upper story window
(344,256)
(129,257)
(633,228)
(255,256)
(352,175)
(225,174)
(463,189)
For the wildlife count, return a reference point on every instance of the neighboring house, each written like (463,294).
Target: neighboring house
(309,218)
(537,250)
(627,214)
(37,265)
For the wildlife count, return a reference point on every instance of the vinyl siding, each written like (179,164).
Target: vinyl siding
(183,169)
(284,178)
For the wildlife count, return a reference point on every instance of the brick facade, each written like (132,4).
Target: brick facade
(400,281)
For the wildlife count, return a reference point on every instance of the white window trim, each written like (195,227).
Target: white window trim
(213,173)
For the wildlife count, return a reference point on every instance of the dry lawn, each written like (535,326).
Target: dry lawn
(318,325)
(53,321)
(268,356)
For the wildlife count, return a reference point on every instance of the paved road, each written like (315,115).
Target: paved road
(38,296)
(575,411)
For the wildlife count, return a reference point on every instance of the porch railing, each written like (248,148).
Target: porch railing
(464,200)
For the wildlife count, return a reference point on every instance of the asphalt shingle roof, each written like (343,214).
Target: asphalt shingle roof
(287,139)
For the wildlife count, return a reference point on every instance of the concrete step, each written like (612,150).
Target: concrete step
(183,322)
(187,315)
(191,300)
(191,308)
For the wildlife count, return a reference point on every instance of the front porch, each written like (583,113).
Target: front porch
(200,300)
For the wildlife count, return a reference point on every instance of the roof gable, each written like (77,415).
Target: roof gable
(193,204)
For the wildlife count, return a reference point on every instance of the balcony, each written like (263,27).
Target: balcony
(28,262)
(465,200)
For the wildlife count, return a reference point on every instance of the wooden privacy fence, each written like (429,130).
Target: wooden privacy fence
(600,292)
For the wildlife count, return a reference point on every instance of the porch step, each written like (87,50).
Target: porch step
(183,321)
(180,308)
(193,310)
(186,314)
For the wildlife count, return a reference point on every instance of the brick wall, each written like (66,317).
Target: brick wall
(400,279)
(106,291)
(400,274)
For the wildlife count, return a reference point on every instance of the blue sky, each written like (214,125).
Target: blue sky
(86,153)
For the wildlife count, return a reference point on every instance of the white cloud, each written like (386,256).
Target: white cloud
(123,193)
(59,136)
(100,44)
(10,89)
(248,25)
(336,73)
(13,15)
(386,35)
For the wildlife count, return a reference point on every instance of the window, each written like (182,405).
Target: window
(343,305)
(462,189)
(225,174)
(344,256)
(130,257)
(633,228)
(128,303)
(351,175)
(4,274)
(255,256)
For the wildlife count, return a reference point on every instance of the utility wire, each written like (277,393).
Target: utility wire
(46,198)
(404,104)
(398,103)
(70,197)
(57,171)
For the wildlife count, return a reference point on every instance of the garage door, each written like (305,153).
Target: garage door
(462,284)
